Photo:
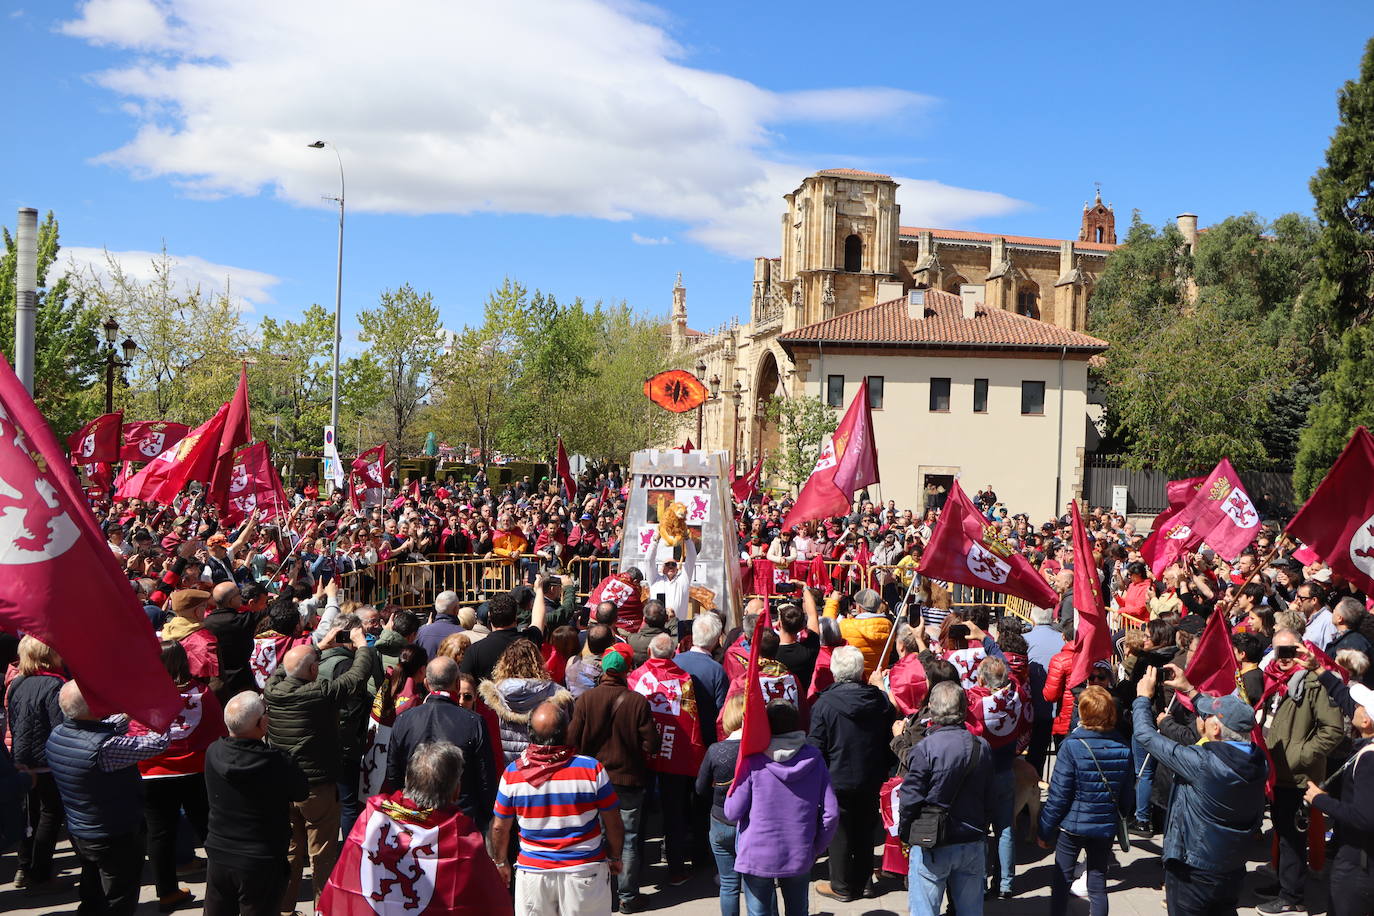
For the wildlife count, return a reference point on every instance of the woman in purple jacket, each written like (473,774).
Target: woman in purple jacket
(786,811)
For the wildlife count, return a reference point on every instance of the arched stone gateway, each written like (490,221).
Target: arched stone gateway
(767,385)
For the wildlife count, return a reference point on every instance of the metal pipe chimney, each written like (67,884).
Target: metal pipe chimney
(25,295)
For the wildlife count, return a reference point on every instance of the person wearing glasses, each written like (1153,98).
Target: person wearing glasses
(1310,598)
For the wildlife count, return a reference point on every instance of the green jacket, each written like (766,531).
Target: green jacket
(388,648)
(305,715)
(1304,728)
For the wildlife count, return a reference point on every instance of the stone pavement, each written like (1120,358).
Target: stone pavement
(1131,887)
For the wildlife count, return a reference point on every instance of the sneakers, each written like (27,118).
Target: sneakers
(1282,906)
(1141,829)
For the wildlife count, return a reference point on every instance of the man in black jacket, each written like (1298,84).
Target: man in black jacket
(851,725)
(440,718)
(234,623)
(251,787)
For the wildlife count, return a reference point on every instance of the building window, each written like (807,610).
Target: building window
(980,395)
(875,392)
(834,391)
(1032,399)
(853,254)
(939,395)
(1028,301)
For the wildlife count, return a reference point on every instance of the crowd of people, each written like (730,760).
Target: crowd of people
(518,753)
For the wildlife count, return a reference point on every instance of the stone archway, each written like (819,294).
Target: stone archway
(767,385)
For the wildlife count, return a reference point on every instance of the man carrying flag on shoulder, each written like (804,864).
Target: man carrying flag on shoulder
(568,819)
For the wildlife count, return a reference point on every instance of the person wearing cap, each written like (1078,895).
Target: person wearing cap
(614,724)
(1350,871)
(187,627)
(1217,802)
(867,628)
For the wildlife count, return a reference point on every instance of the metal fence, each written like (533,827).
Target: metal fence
(1147,491)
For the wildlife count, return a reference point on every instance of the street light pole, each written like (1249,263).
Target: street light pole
(338,294)
(739,396)
(111,329)
(701,371)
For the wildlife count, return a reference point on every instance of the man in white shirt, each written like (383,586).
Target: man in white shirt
(674,588)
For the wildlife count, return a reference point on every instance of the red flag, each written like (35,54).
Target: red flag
(126,471)
(755,734)
(253,484)
(1337,521)
(98,440)
(673,703)
(1180,491)
(1212,668)
(601,499)
(966,549)
(367,482)
(1219,513)
(411,492)
(146,439)
(193,458)
(564,471)
(745,487)
(60,582)
(1094,635)
(238,430)
(401,858)
(622,591)
(100,475)
(688,446)
(848,462)
(863,558)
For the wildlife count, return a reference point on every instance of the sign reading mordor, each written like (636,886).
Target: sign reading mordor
(680,509)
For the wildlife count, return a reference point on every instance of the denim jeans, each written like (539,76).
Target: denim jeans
(1144,766)
(1195,892)
(958,866)
(759,899)
(723,849)
(632,850)
(1099,856)
(1003,834)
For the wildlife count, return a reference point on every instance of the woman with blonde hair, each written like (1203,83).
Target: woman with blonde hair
(518,684)
(455,646)
(33,713)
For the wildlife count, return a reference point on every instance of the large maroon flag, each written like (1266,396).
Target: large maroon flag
(97,441)
(964,548)
(564,471)
(146,439)
(1180,492)
(1094,634)
(1337,521)
(60,582)
(848,462)
(192,458)
(754,734)
(1220,513)
(253,484)
(237,431)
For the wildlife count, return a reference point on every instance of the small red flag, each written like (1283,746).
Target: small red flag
(1094,635)
(564,471)
(60,582)
(367,480)
(964,548)
(688,446)
(755,734)
(98,440)
(1212,668)
(146,439)
(848,462)
(1180,491)
(743,488)
(1337,521)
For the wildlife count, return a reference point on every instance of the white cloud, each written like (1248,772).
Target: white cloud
(649,240)
(248,288)
(555,107)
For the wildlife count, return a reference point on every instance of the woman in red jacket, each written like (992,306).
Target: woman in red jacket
(1057,685)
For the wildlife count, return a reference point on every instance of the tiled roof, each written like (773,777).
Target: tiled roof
(889,324)
(854,173)
(961,235)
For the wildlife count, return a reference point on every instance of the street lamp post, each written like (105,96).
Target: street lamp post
(738,395)
(111,329)
(701,370)
(338,295)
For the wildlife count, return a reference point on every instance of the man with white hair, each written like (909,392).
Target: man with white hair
(1043,642)
(445,623)
(677,715)
(250,786)
(851,725)
(94,763)
(708,676)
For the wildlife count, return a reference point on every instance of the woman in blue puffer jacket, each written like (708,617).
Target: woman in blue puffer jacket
(1092,784)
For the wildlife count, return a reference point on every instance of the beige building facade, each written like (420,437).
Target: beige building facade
(845,253)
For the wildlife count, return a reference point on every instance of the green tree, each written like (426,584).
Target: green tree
(1345,403)
(403,335)
(802,424)
(68,361)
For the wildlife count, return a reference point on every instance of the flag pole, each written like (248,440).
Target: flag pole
(896,615)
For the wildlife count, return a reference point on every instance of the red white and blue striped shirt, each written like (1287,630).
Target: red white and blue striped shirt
(559,822)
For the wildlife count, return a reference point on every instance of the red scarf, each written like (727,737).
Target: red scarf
(538,763)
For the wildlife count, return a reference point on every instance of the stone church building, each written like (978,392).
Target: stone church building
(973,342)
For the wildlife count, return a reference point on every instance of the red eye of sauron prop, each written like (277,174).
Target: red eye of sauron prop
(677,390)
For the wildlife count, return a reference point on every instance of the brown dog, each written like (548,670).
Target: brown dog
(1028,786)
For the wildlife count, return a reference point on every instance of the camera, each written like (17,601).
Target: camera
(1285,651)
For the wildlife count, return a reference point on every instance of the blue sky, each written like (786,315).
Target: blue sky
(597,147)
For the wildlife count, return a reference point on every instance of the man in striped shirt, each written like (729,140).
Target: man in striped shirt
(569,824)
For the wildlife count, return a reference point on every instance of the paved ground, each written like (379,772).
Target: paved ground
(1131,888)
